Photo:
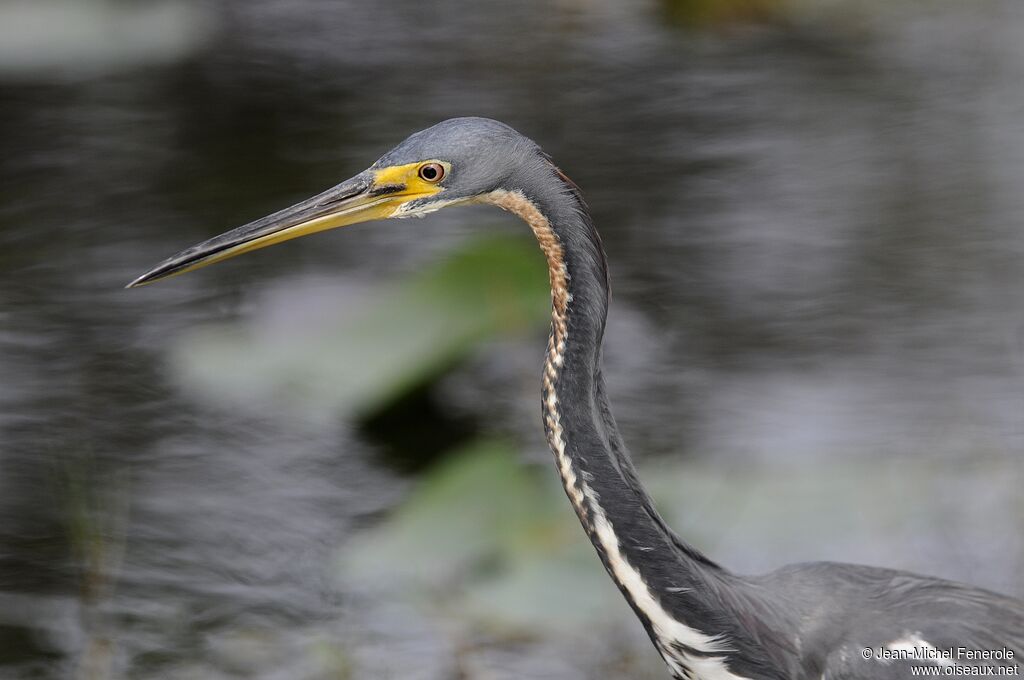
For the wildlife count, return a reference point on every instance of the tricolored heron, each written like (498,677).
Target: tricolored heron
(814,620)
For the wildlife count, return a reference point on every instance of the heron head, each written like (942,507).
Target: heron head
(454,162)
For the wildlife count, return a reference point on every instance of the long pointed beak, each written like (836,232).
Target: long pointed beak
(359,199)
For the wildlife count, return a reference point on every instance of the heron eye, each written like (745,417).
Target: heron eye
(432,172)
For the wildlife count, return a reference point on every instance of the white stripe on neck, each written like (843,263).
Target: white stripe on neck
(667,629)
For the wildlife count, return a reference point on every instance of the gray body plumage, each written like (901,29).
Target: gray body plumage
(833,612)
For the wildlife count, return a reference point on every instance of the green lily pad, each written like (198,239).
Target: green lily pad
(470,510)
(490,539)
(360,359)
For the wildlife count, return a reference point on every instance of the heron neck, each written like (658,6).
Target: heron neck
(680,595)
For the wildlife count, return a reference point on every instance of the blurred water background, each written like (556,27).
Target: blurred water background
(324,460)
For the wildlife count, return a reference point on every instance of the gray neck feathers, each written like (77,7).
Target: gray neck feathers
(680,582)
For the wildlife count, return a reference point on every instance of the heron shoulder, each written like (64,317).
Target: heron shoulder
(843,609)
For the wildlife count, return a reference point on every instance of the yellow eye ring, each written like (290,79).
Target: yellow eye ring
(431,172)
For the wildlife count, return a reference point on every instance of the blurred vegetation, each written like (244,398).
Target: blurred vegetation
(361,360)
(485,538)
(96,515)
(89,38)
(696,13)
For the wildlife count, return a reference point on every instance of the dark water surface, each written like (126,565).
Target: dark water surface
(815,238)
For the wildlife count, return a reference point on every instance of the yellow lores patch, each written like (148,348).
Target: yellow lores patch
(409,177)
